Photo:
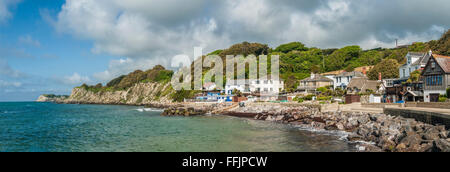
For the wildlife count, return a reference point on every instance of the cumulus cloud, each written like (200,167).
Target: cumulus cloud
(28,40)
(75,79)
(7,72)
(5,12)
(153,31)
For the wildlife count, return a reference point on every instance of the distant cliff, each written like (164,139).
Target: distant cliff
(139,94)
(51,98)
(151,87)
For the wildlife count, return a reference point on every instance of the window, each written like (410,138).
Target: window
(404,73)
(433,65)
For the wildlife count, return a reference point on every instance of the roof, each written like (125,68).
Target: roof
(364,84)
(443,61)
(423,58)
(414,93)
(317,78)
(354,74)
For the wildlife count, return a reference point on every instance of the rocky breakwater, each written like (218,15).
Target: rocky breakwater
(372,132)
(183,111)
(194,109)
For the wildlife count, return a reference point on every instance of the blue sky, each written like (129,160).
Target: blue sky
(51,46)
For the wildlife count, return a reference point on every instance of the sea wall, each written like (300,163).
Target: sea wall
(423,116)
(440,105)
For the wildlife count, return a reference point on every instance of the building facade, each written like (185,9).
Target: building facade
(267,86)
(414,61)
(436,77)
(311,84)
(342,80)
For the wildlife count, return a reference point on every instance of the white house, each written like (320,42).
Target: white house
(414,61)
(343,79)
(209,86)
(251,86)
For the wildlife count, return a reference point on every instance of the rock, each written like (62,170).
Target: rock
(426,147)
(340,126)
(354,137)
(279,118)
(318,125)
(431,134)
(442,145)
(411,139)
(443,134)
(401,147)
(318,119)
(363,119)
(387,145)
(364,132)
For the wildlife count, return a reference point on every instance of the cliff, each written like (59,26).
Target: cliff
(51,98)
(139,94)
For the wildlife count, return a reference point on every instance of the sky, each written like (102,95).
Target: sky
(51,46)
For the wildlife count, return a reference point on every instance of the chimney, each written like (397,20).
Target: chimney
(430,52)
(364,71)
(396,42)
(379,76)
(312,75)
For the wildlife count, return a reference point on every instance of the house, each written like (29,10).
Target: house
(436,77)
(314,82)
(209,86)
(343,79)
(246,86)
(364,85)
(333,74)
(414,61)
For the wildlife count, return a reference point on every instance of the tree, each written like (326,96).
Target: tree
(415,76)
(293,46)
(388,69)
(342,58)
(246,49)
(442,46)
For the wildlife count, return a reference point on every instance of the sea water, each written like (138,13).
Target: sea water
(49,127)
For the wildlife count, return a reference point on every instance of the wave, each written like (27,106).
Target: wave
(149,110)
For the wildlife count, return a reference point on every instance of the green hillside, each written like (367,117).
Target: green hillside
(298,61)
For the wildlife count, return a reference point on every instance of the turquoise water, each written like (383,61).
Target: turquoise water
(43,127)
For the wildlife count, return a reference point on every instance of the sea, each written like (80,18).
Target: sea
(50,127)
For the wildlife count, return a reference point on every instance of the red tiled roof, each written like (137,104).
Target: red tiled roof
(443,61)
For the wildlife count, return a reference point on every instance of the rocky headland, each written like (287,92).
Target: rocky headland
(155,95)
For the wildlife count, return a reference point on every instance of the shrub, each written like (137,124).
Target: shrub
(309,97)
(448,93)
(442,98)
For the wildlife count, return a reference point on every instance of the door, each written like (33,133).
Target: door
(434,97)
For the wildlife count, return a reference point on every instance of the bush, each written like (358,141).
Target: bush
(325,98)
(448,93)
(309,97)
(442,98)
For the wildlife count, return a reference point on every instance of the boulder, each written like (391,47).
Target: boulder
(411,139)
(442,145)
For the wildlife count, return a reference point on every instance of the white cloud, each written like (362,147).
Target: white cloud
(28,40)
(7,72)
(5,12)
(152,31)
(4,84)
(75,79)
